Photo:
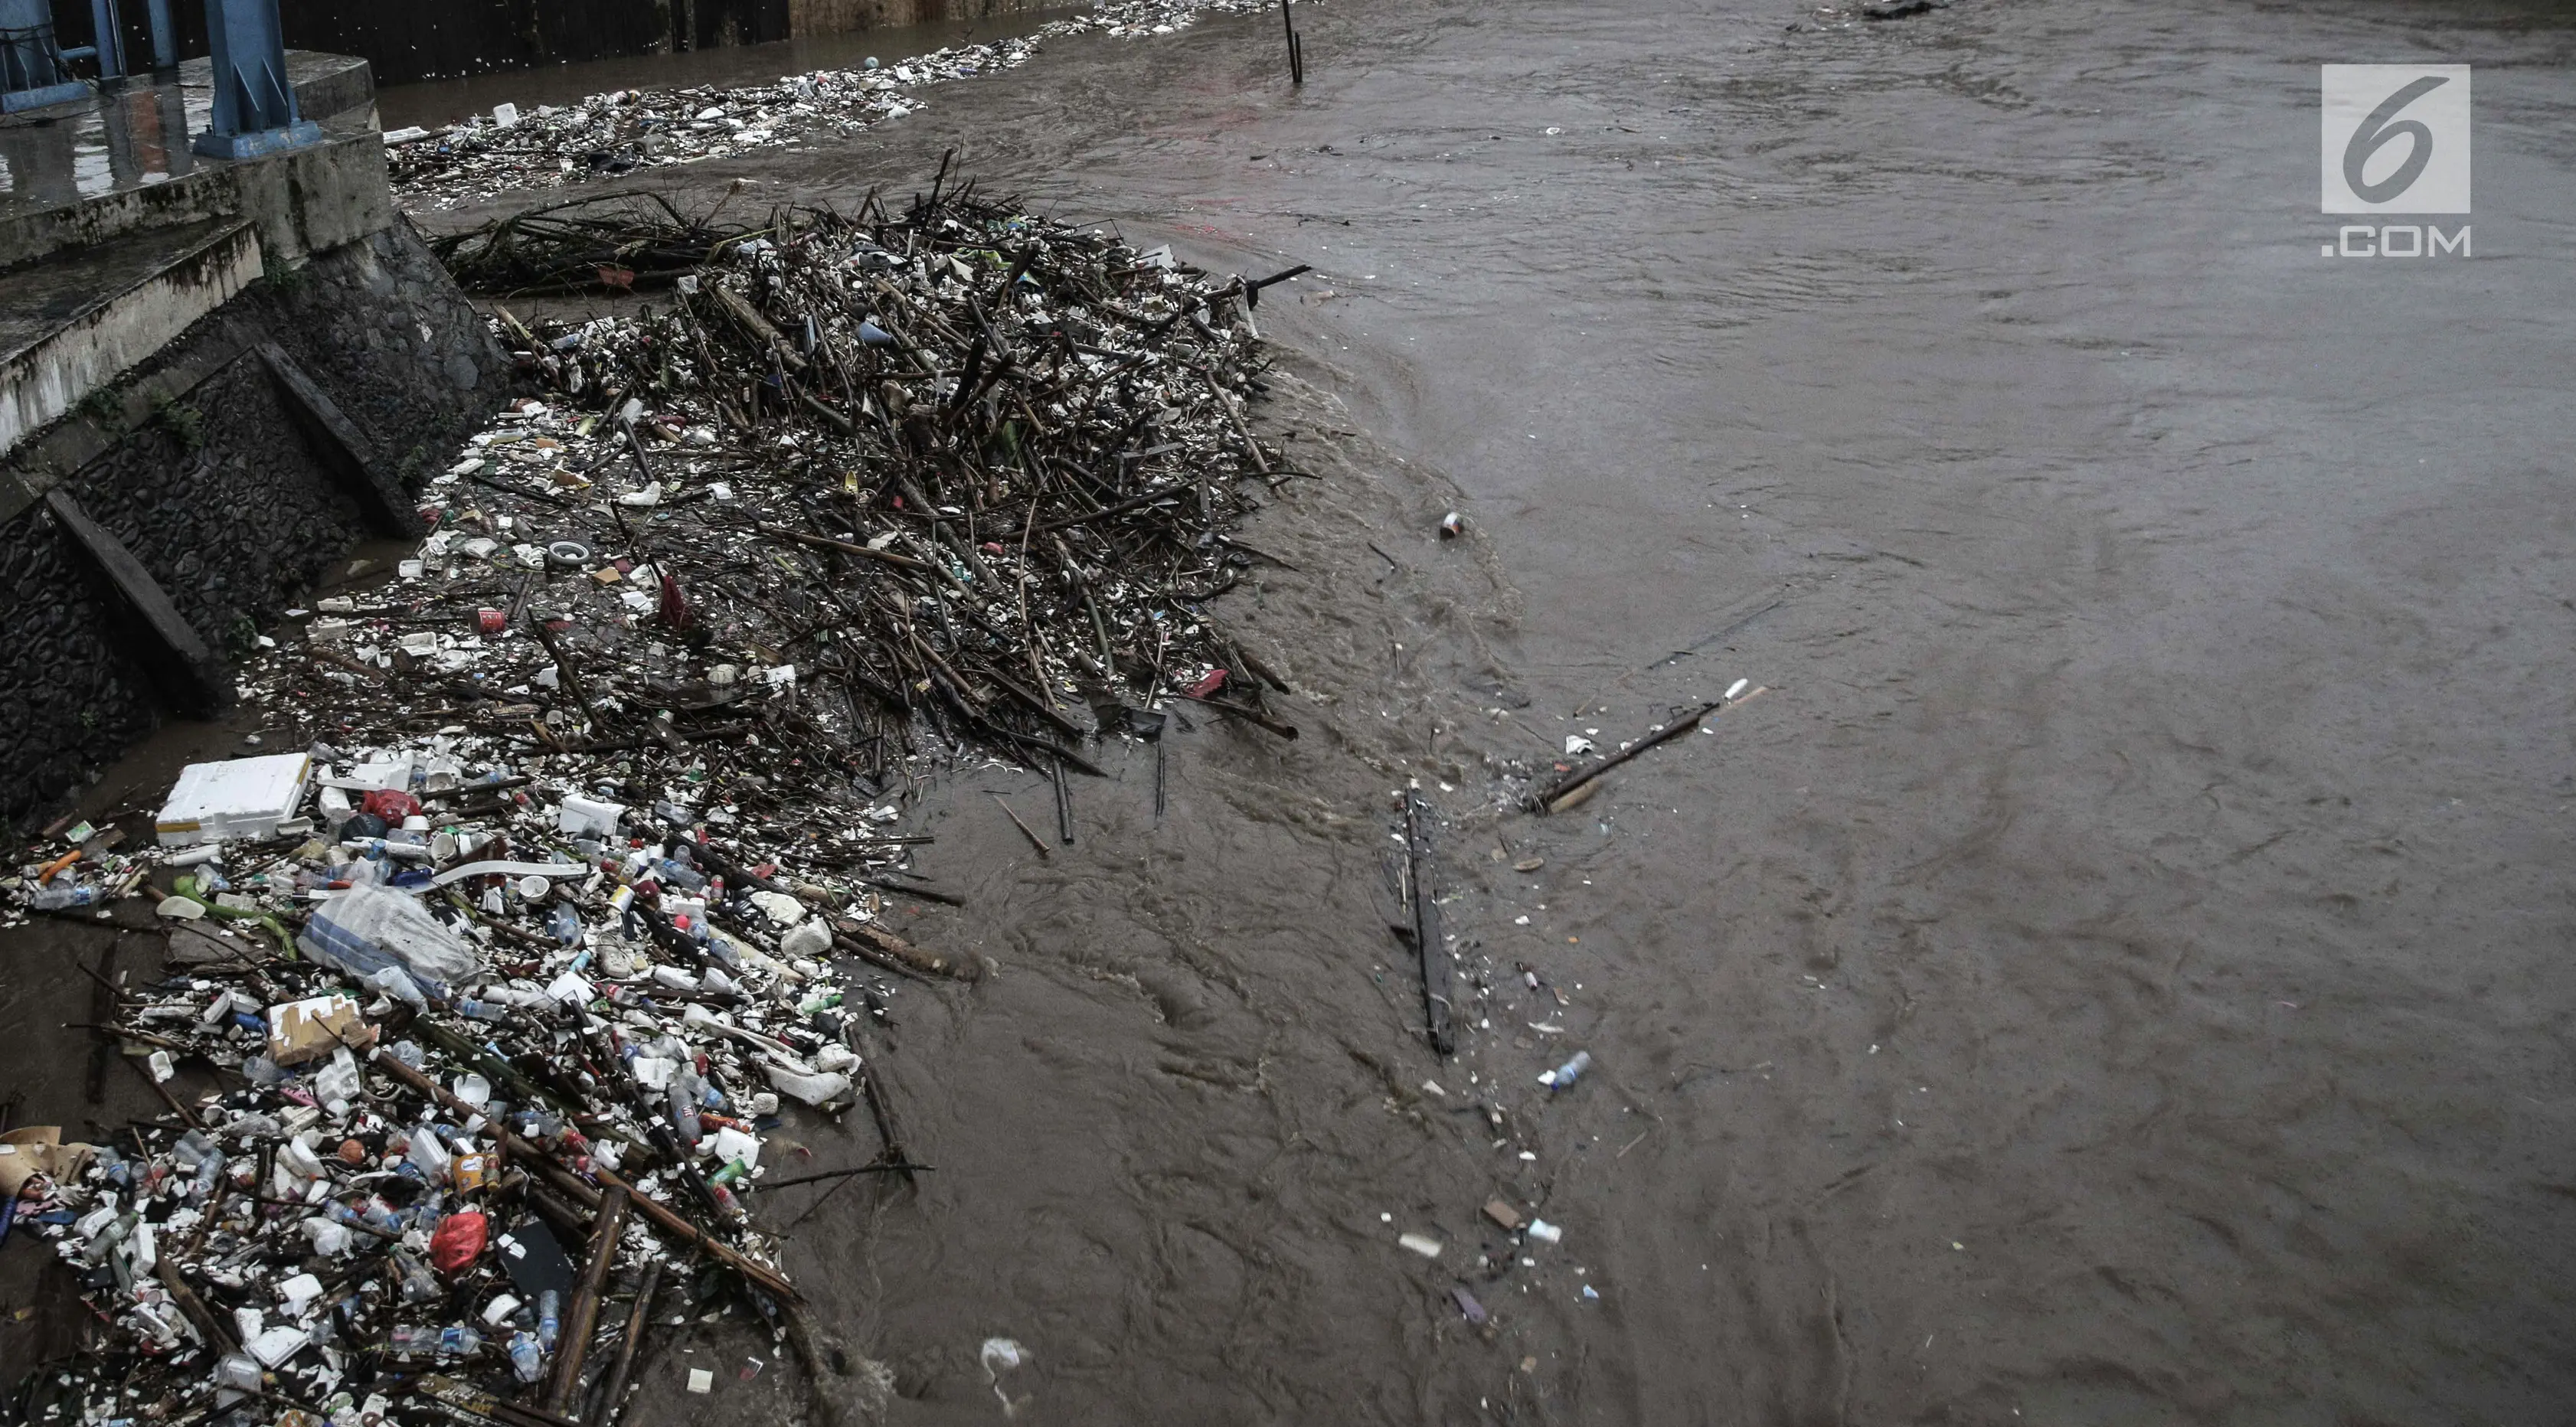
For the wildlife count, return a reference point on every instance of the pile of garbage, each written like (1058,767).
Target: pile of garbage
(429,1113)
(613,134)
(866,490)
(507,977)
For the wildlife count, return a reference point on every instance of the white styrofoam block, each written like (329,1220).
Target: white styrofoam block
(589,815)
(245,797)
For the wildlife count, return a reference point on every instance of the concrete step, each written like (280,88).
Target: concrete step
(118,161)
(77,322)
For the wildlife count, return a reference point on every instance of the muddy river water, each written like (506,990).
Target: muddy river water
(2118,973)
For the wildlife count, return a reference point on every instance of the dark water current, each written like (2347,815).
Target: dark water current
(2119,974)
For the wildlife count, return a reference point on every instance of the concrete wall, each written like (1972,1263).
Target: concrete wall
(122,318)
(455,38)
(200,471)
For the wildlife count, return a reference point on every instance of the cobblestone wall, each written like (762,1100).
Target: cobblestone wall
(70,697)
(219,495)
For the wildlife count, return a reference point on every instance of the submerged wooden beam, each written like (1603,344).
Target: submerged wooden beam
(572,1345)
(1427,939)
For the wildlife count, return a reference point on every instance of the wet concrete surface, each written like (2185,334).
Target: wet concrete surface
(2115,976)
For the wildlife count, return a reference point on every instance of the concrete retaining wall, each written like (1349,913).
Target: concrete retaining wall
(406,43)
(123,323)
(841,17)
(202,473)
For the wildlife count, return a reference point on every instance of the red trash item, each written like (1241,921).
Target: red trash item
(1209,685)
(491,621)
(675,606)
(390,804)
(458,1241)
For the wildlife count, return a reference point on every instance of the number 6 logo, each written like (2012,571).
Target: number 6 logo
(2395,138)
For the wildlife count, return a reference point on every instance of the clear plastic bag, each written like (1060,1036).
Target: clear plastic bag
(367,929)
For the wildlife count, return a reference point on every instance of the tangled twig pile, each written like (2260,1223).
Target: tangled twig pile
(961,472)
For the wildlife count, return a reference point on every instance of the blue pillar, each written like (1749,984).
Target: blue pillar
(109,27)
(165,36)
(31,64)
(254,105)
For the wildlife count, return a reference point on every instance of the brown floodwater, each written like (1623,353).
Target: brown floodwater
(2117,974)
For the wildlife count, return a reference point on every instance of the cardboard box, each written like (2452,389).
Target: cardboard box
(245,797)
(300,1031)
(38,1149)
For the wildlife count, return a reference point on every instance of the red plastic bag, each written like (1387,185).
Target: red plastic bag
(1200,690)
(458,1241)
(391,805)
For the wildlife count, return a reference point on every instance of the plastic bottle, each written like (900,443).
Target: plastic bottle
(482,1010)
(456,1340)
(255,1124)
(565,923)
(57,897)
(1566,1074)
(684,1109)
(192,1149)
(329,1239)
(419,1285)
(549,1319)
(816,1089)
(104,1242)
(527,1360)
(410,1340)
(208,1169)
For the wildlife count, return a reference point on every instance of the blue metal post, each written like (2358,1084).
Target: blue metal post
(165,36)
(254,105)
(31,64)
(111,38)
